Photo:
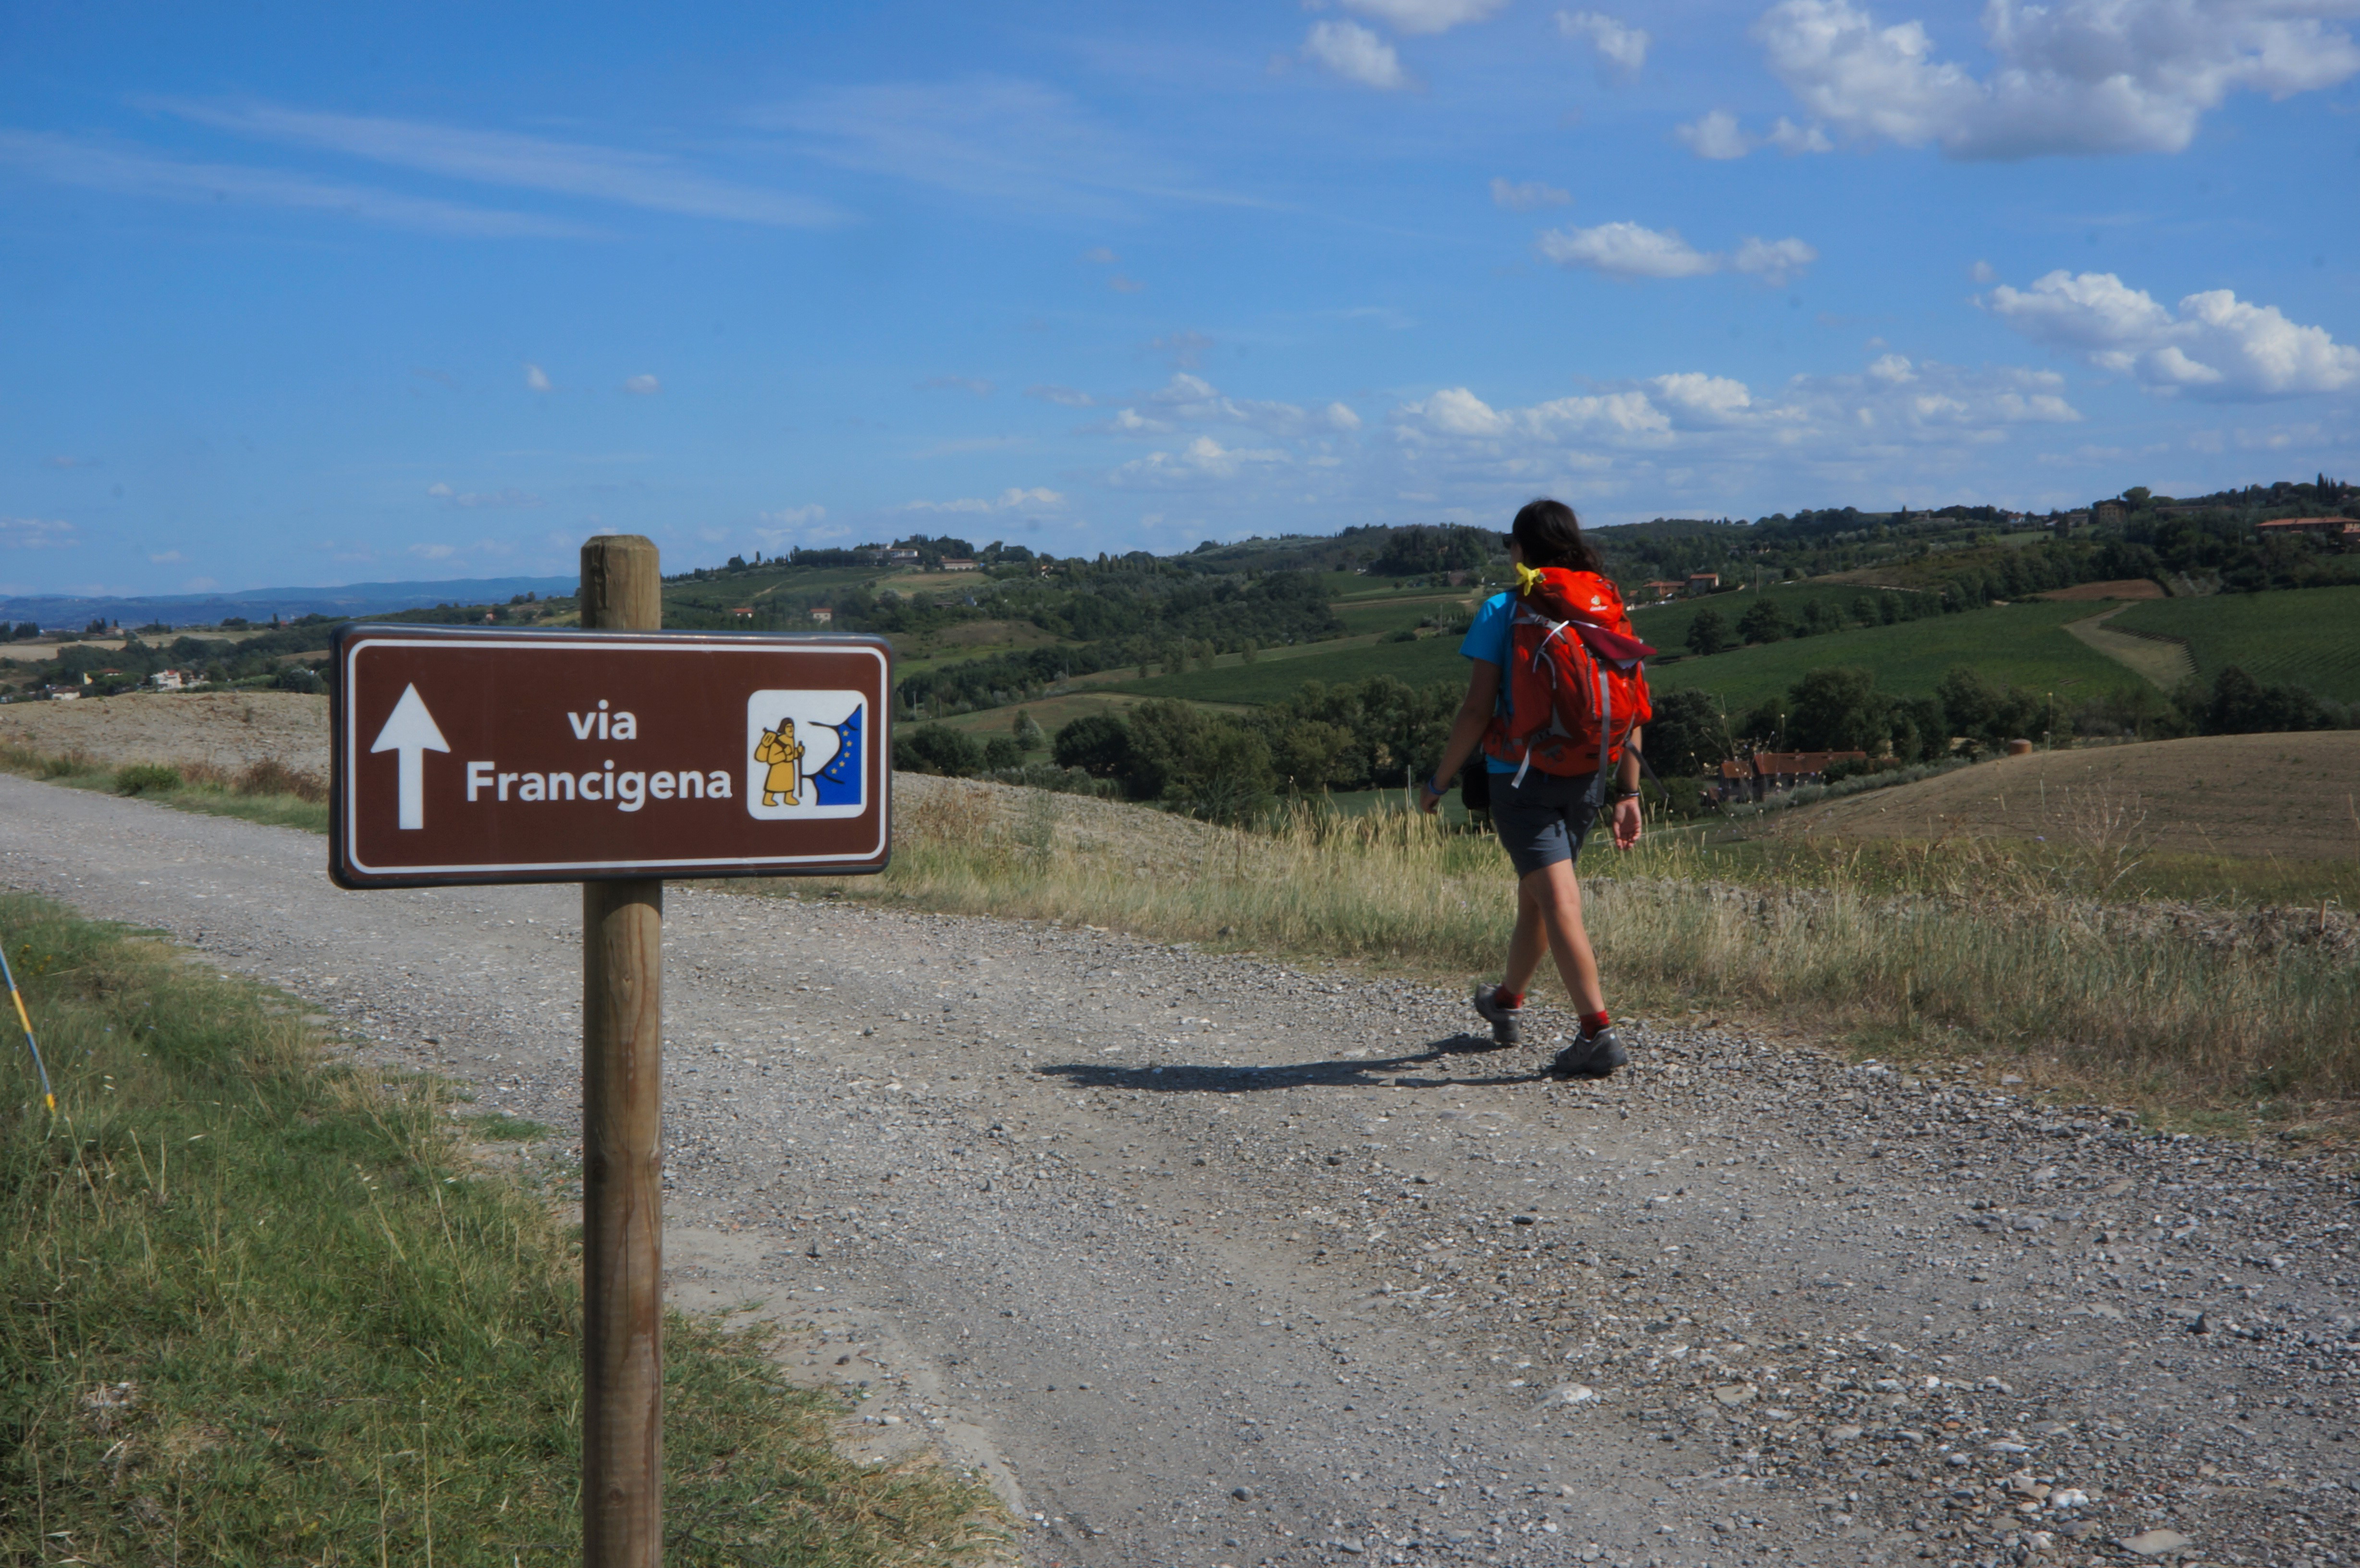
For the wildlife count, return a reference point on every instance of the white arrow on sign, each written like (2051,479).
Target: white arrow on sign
(412,733)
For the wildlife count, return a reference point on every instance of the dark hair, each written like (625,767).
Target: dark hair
(1551,535)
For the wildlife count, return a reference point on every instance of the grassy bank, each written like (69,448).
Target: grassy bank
(266,791)
(264,1311)
(2004,949)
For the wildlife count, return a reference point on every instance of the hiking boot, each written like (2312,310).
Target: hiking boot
(1507,1023)
(1591,1056)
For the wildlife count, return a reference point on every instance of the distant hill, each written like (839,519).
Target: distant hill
(61,612)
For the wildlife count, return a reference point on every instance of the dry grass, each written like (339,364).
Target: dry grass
(2288,797)
(1962,945)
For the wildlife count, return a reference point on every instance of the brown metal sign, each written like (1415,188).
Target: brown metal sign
(469,756)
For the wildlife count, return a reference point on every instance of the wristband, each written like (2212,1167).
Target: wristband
(1434,789)
(1626,794)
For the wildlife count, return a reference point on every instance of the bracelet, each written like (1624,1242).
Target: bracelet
(1626,794)
(1434,789)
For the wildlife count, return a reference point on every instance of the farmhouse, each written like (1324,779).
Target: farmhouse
(822,614)
(1767,773)
(959,563)
(1704,581)
(2343,528)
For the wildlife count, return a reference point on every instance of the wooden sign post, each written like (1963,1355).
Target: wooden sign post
(615,756)
(622,1153)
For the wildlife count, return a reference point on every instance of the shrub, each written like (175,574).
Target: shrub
(1000,751)
(1097,743)
(142,777)
(272,777)
(932,748)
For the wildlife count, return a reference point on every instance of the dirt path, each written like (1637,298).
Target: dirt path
(2162,664)
(1210,1262)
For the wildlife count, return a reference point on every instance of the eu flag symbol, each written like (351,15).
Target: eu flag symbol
(839,783)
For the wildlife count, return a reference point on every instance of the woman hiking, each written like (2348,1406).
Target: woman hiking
(1555,701)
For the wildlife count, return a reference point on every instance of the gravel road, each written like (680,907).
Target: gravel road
(1208,1260)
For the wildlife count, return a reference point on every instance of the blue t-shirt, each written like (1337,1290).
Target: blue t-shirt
(1493,639)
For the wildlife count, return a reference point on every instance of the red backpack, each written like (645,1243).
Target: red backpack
(1575,681)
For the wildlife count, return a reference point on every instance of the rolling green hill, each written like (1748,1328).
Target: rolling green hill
(2021,644)
(1667,625)
(2302,636)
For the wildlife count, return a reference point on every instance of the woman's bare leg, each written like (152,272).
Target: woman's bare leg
(1548,914)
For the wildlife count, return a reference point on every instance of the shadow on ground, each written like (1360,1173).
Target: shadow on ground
(1388,1071)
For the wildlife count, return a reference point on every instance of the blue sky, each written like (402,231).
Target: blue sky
(303,296)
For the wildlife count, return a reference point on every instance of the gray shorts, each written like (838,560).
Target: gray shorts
(1543,820)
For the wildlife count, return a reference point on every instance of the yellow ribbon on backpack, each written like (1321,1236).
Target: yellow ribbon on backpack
(1527,578)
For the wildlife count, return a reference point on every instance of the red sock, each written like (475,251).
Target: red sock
(1592,1022)
(1507,998)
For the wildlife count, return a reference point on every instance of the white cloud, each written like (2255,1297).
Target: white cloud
(1893,369)
(1064,396)
(1526,196)
(166,556)
(1719,136)
(434,551)
(1417,16)
(1201,459)
(1627,250)
(472,500)
(1791,138)
(988,139)
(1008,500)
(1702,396)
(793,517)
(35,533)
(1623,49)
(1188,399)
(535,378)
(533,163)
(1456,413)
(2072,77)
(1100,255)
(1716,137)
(1632,250)
(63,161)
(1984,272)
(1356,54)
(643,385)
(1772,261)
(2215,344)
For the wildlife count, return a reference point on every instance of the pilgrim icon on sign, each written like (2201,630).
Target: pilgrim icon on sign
(804,756)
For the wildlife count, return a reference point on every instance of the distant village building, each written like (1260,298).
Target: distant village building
(743,611)
(1767,773)
(1666,588)
(960,563)
(2106,512)
(822,614)
(62,693)
(1704,581)
(2339,526)
(898,556)
(170,680)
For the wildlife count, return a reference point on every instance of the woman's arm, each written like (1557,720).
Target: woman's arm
(1624,821)
(1466,732)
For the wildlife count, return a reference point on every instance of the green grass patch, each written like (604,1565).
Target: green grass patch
(2023,644)
(2298,637)
(1278,673)
(498,1127)
(265,1311)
